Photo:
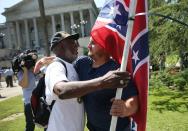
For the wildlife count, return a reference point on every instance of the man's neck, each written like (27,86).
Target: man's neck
(63,58)
(100,61)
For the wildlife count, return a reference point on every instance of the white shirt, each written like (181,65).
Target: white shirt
(66,115)
(8,72)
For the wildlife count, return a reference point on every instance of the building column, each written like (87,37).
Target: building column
(72,20)
(27,34)
(9,35)
(91,17)
(53,24)
(82,24)
(62,22)
(14,37)
(18,35)
(36,33)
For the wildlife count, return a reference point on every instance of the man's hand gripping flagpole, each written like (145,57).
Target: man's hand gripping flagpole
(132,10)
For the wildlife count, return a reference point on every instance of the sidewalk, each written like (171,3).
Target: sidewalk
(9,92)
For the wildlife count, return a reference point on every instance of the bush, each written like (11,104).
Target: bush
(166,78)
(180,83)
(178,80)
(155,83)
(185,74)
(172,59)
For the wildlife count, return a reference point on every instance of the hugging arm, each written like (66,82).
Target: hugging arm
(66,90)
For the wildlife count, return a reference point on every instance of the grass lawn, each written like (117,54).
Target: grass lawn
(11,106)
(167,111)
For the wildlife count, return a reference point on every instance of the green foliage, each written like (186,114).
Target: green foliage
(172,59)
(167,35)
(155,3)
(185,74)
(183,1)
(170,78)
(180,80)
(154,82)
(165,78)
(180,83)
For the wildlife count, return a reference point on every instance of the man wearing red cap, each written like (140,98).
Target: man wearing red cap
(67,115)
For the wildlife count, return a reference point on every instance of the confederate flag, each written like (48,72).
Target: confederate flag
(110,32)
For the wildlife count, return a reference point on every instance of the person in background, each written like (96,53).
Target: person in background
(27,80)
(162,60)
(8,73)
(1,72)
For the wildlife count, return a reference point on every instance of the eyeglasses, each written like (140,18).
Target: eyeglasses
(91,44)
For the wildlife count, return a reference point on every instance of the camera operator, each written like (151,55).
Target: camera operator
(27,79)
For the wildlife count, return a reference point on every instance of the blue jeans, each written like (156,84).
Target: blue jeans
(30,126)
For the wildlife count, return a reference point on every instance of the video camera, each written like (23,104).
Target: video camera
(25,59)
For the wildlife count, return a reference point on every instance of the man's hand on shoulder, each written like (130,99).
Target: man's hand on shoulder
(42,62)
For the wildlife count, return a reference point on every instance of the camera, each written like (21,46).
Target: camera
(25,59)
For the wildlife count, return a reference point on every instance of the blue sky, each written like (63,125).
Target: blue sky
(9,3)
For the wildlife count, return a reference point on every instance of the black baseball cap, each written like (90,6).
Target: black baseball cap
(62,35)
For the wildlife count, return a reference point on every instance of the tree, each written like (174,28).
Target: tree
(167,35)
(155,3)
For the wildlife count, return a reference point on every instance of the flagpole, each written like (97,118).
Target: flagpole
(132,9)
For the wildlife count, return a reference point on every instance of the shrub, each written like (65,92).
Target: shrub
(178,80)
(185,74)
(166,78)
(180,83)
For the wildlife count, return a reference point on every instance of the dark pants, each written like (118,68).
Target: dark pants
(30,126)
(0,80)
(94,128)
(9,81)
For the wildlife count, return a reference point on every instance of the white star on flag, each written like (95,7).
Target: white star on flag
(133,125)
(114,11)
(118,26)
(135,56)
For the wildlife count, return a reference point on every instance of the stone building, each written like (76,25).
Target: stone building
(23,29)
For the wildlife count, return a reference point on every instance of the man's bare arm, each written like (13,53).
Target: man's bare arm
(24,82)
(66,90)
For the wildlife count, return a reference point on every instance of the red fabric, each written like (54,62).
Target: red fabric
(107,33)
